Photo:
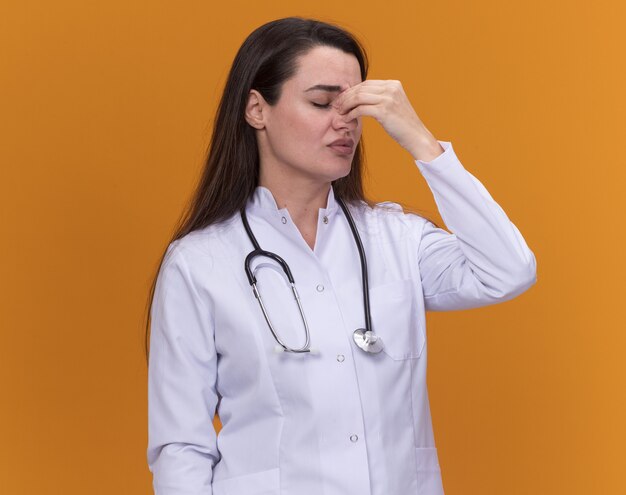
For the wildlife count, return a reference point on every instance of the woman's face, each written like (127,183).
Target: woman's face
(300,129)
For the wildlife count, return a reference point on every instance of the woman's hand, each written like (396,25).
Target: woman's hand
(387,102)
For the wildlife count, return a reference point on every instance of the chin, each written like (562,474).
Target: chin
(339,174)
(331,171)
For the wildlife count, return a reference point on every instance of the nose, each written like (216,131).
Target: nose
(340,122)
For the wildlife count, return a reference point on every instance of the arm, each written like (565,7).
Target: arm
(182,396)
(485,260)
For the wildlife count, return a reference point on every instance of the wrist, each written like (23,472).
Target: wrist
(425,148)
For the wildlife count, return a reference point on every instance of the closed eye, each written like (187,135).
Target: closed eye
(318,105)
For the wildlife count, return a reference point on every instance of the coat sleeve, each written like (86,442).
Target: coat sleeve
(484,259)
(182,445)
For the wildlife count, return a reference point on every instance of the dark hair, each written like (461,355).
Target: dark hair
(266,59)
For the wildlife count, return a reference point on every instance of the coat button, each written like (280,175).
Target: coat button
(354,438)
(283,219)
(320,288)
(325,219)
(340,358)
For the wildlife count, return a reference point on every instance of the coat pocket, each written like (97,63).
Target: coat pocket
(395,318)
(259,483)
(428,471)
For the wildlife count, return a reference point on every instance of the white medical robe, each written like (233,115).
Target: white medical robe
(341,421)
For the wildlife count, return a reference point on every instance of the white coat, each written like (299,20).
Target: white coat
(340,422)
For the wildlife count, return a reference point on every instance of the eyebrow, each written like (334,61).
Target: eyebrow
(325,87)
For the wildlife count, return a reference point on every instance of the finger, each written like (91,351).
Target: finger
(360,99)
(362,110)
(347,102)
(368,83)
(371,82)
(376,86)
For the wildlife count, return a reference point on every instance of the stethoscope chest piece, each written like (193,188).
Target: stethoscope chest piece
(365,338)
(368,341)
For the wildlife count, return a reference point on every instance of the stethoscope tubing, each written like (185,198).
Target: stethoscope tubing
(260,252)
(364,276)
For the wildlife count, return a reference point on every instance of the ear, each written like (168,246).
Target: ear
(254,109)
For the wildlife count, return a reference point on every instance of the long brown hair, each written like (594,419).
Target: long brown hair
(265,60)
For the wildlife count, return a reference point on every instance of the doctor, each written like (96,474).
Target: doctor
(323,394)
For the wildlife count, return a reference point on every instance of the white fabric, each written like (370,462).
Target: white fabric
(341,422)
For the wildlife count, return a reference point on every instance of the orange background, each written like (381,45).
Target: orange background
(105,113)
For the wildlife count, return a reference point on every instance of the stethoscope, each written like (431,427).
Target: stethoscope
(364,338)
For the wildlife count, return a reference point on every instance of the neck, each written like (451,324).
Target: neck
(301,200)
(302,197)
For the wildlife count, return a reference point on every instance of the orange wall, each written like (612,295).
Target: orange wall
(105,110)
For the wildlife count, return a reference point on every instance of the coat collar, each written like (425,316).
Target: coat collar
(262,201)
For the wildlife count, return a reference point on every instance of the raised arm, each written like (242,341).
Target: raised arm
(182,396)
(484,260)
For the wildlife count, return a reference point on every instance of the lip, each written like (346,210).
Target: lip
(342,146)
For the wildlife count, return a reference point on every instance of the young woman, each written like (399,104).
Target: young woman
(295,308)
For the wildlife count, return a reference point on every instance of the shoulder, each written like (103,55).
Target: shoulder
(192,263)
(388,218)
(203,245)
